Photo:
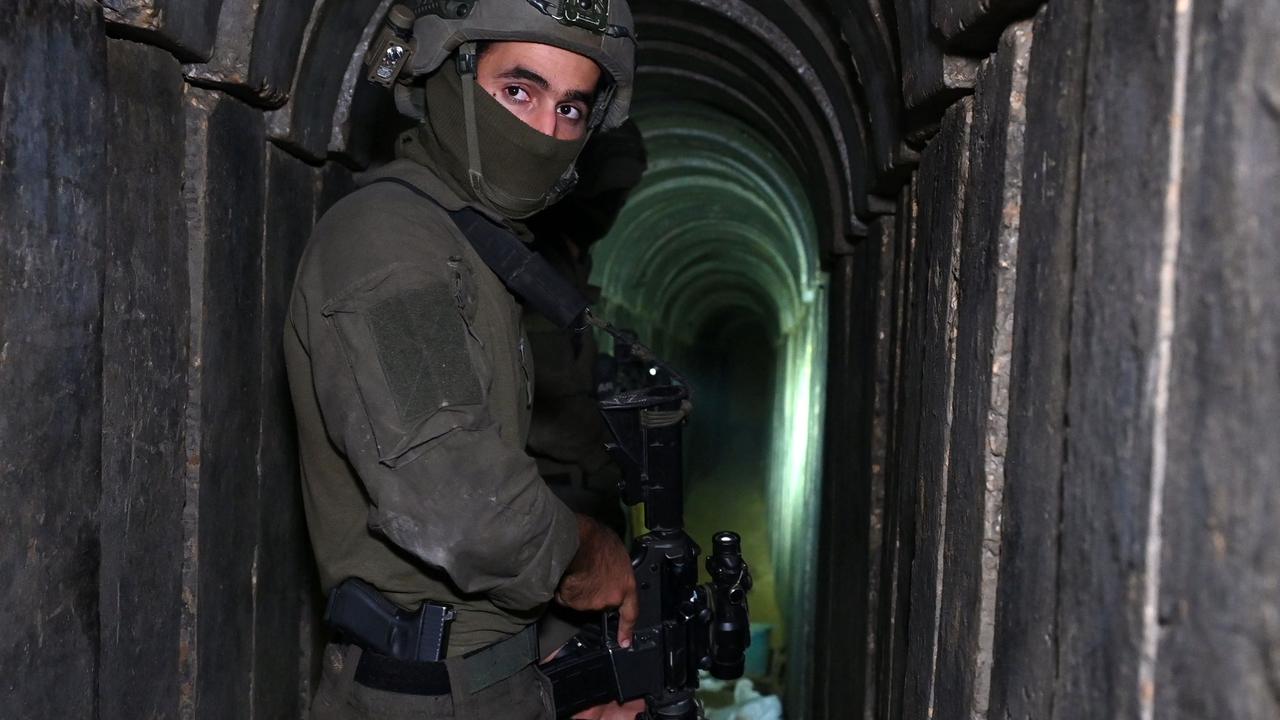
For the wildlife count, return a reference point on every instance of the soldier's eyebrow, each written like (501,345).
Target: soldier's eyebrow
(520,72)
(581,96)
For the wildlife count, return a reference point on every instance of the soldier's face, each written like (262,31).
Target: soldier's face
(550,89)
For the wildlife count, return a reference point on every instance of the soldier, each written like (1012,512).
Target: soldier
(411,378)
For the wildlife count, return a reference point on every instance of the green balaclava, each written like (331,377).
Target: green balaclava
(487,153)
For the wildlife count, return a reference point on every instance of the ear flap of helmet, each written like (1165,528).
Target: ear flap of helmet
(411,101)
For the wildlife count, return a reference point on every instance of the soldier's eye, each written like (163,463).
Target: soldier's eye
(570,112)
(515,93)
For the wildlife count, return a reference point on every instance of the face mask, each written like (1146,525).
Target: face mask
(502,163)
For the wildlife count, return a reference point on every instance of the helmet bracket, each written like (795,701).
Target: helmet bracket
(392,48)
(591,15)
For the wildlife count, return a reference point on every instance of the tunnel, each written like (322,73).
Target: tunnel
(978,301)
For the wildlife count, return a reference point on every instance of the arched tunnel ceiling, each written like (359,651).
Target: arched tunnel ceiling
(731,55)
(846,90)
(720,220)
(734,78)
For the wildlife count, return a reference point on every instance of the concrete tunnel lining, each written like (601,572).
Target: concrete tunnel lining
(715,193)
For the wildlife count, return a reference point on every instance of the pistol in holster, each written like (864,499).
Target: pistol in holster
(361,615)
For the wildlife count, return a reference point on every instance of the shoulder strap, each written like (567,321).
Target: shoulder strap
(525,273)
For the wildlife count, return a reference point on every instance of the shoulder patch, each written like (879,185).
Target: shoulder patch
(422,345)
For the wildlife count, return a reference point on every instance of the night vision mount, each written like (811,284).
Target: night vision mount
(393,46)
(590,14)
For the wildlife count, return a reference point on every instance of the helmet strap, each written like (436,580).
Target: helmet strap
(601,107)
(467,72)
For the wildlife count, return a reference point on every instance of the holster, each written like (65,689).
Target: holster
(360,614)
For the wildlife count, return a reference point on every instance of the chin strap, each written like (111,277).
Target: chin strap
(467,72)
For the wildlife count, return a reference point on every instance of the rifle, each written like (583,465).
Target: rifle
(683,626)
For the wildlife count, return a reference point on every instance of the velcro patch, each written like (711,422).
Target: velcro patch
(422,345)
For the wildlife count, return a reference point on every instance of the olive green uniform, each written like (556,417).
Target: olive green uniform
(412,383)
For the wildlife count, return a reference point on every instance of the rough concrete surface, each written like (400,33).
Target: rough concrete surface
(145,326)
(984,343)
(1025,653)
(944,176)
(52,231)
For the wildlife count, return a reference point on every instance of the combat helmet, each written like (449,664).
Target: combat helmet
(420,35)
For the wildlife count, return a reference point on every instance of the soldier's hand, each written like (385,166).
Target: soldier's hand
(600,577)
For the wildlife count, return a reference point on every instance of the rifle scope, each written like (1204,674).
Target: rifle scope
(731,628)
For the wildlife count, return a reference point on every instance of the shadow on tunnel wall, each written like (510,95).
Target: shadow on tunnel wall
(1041,236)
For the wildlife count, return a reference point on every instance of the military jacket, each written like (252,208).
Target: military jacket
(412,384)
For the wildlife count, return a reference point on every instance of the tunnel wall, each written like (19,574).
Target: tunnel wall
(154,558)
(1050,485)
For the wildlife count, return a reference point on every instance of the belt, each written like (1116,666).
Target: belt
(474,671)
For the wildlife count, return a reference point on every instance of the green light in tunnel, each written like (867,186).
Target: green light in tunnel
(720,227)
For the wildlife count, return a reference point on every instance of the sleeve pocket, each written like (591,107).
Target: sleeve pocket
(419,370)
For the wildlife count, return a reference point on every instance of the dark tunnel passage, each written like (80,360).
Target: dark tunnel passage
(715,258)
(729,467)
(979,299)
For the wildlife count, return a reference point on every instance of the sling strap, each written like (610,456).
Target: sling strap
(524,272)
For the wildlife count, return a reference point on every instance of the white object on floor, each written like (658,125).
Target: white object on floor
(748,705)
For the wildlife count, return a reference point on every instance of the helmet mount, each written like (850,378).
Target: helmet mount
(590,14)
(444,8)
